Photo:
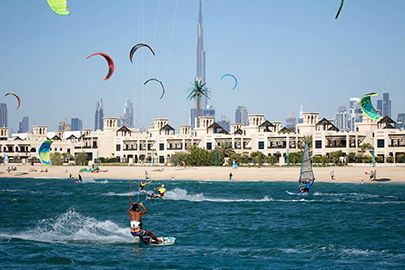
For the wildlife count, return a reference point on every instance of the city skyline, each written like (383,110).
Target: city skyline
(284,54)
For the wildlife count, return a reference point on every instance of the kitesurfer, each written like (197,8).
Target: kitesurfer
(135,217)
(162,191)
(142,185)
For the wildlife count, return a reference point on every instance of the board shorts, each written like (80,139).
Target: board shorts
(140,233)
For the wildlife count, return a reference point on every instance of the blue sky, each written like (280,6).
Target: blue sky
(284,53)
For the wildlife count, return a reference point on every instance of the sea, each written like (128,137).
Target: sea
(57,224)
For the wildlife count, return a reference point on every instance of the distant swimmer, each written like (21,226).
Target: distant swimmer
(135,216)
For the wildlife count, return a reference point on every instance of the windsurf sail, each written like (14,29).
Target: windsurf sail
(306,172)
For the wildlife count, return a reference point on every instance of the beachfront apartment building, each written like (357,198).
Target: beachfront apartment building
(158,143)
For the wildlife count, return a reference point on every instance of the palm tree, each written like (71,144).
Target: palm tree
(225,150)
(196,92)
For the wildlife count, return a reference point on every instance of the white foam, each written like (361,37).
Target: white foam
(74,227)
(179,194)
(352,194)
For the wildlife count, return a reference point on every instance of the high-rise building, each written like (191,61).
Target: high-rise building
(291,121)
(99,115)
(128,118)
(23,126)
(386,105)
(207,110)
(356,115)
(241,115)
(3,115)
(301,117)
(201,74)
(63,126)
(401,121)
(76,124)
(342,118)
(225,124)
(379,106)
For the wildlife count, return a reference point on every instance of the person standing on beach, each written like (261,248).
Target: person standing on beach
(332,175)
(135,217)
(230,175)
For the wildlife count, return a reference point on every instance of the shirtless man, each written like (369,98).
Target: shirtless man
(135,217)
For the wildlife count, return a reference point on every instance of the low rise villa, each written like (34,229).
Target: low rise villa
(158,143)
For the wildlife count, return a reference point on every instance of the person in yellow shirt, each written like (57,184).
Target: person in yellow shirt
(161,191)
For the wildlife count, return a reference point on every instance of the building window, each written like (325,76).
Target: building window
(161,146)
(261,145)
(118,147)
(318,144)
(209,146)
(380,143)
(161,159)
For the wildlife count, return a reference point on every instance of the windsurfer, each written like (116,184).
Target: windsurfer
(305,188)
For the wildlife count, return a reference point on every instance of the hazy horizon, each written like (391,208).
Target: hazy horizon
(284,54)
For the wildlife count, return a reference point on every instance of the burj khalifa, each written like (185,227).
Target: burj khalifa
(206,110)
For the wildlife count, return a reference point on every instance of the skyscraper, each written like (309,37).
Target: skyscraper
(291,121)
(99,115)
(386,105)
(241,115)
(379,106)
(224,123)
(401,121)
(128,118)
(342,118)
(23,126)
(201,54)
(3,115)
(356,115)
(76,124)
(206,109)
(64,126)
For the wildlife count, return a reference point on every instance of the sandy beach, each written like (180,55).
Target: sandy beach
(348,174)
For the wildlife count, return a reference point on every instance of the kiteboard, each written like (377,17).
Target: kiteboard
(296,194)
(167,241)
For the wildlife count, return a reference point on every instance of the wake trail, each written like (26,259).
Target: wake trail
(72,227)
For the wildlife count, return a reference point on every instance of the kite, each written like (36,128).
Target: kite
(59,6)
(44,153)
(367,107)
(109,61)
(340,9)
(136,47)
(230,75)
(161,84)
(17,97)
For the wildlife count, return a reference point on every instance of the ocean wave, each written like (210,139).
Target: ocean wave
(179,194)
(74,227)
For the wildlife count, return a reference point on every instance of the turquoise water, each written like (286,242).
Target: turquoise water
(55,224)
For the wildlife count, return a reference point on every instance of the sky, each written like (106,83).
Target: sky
(284,54)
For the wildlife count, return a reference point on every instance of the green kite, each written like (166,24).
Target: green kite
(59,6)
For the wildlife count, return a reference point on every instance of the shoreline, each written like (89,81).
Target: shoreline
(347,174)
